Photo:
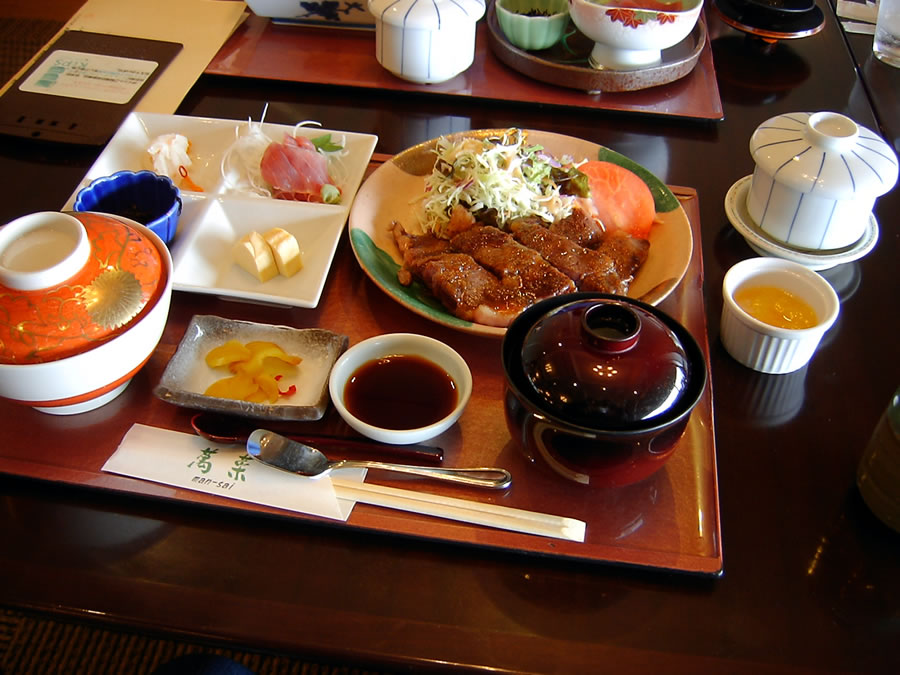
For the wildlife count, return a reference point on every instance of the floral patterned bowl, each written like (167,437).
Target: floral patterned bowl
(335,13)
(84,298)
(631,34)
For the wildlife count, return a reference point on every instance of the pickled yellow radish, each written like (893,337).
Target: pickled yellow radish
(227,353)
(257,368)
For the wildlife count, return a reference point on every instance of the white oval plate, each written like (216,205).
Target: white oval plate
(388,196)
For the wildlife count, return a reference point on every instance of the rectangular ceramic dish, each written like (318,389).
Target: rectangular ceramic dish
(187,375)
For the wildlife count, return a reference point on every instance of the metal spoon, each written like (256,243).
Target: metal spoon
(226,429)
(283,453)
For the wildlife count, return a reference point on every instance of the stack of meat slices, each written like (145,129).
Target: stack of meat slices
(488,276)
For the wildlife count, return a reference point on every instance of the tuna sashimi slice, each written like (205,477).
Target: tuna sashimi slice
(295,169)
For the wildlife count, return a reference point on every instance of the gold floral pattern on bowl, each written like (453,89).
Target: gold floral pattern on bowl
(121,281)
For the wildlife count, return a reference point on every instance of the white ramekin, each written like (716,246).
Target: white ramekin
(763,347)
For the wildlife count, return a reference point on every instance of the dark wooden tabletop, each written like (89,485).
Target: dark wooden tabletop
(810,579)
(881,83)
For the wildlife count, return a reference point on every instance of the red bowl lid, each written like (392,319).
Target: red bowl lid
(59,298)
(605,362)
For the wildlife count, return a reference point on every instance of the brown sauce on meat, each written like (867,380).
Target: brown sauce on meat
(400,392)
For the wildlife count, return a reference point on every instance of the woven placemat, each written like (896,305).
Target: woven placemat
(37,645)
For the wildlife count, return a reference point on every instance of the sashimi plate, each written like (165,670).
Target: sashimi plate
(390,194)
(218,214)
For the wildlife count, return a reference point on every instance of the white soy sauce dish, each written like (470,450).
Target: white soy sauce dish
(412,405)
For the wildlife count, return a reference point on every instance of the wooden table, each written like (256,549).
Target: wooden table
(810,578)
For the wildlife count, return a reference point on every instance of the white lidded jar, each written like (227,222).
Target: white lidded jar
(816,179)
(425,41)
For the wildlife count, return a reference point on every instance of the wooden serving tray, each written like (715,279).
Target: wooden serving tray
(323,55)
(565,64)
(669,521)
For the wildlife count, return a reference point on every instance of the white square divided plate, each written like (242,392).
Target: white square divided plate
(204,262)
(212,220)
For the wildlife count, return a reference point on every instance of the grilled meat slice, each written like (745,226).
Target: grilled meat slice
(488,276)
(464,287)
(416,252)
(517,266)
(471,292)
(458,282)
(579,227)
(590,270)
(628,252)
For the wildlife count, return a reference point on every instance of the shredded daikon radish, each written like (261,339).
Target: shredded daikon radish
(240,162)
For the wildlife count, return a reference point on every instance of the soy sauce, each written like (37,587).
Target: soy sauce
(400,392)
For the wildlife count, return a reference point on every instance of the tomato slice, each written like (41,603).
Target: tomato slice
(621,197)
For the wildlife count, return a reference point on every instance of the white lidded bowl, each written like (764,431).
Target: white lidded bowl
(816,179)
(759,345)
(391,344)
(426,41)
(82,329)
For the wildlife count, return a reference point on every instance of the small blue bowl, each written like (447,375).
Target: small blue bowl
(149,198)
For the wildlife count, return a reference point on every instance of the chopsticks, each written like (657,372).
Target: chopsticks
(478,513)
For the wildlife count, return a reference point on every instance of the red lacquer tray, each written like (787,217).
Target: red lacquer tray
(331,56)
(669,521)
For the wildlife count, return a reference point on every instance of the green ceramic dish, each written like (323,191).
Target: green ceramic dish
(533,32)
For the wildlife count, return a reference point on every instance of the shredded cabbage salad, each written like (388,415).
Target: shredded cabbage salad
(503,177)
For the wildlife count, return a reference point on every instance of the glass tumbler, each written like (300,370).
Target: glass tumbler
(886,44)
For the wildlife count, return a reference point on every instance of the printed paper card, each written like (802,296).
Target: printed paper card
(194,463)
(95,77)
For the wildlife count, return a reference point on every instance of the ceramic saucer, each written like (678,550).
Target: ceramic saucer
(759,241)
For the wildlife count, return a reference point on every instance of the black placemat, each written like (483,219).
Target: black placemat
(82,87)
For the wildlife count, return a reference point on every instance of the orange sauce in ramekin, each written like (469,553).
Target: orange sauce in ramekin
(776,307)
